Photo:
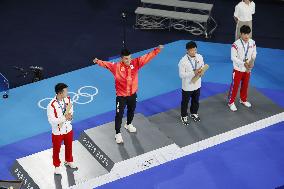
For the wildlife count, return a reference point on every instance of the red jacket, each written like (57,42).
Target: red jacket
(126,77)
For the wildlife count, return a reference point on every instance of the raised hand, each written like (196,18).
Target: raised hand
(95,61)
(161,47)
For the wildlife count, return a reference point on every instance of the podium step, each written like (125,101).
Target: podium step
(216,118)
(101,144)
(37,170)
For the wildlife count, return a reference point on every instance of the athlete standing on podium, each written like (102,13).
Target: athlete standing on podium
(126,83)
(190,66)
(243,55)
(61,126)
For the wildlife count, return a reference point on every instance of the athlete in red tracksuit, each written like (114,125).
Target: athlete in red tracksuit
(61,126)
(126,84)
(243,54)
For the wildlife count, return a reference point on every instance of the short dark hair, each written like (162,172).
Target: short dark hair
(245,29)
(59,87)
(190,45)
(125,52)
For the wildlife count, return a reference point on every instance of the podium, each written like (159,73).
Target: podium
(160,138)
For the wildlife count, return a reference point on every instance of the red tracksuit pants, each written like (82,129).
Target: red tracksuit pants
(239,78)
(56,143)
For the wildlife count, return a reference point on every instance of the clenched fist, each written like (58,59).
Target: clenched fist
(69,117)
(95,61)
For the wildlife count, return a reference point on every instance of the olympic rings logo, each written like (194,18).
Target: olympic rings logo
(76,96)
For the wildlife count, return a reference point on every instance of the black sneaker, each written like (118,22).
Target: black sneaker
(185,120)
(195,117)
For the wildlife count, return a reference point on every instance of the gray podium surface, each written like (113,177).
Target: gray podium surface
(147,138)
(216,118)
(38,170)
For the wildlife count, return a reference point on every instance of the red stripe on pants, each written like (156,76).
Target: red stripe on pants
(56,144)
(243,78)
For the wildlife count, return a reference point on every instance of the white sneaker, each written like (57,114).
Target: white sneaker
(118,138)
(233,107)
(57,171)
(71,165)
(130,128)
(185,120)
(246,104)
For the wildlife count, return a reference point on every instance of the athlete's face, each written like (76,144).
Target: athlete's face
(126,59)
(247,1)
(192,52)
(64,93)
(245,37)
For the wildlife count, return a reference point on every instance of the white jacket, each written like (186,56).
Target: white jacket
(186,72)
(244,12)
(238,53)
(55,116)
